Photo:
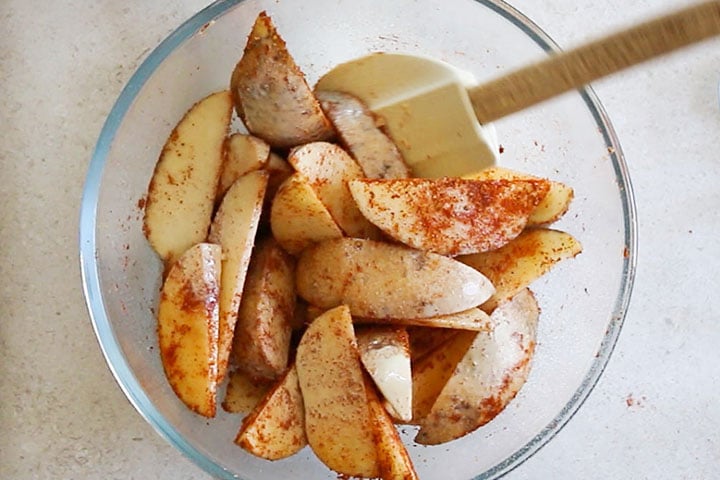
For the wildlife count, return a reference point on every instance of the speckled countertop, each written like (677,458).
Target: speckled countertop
(654,413)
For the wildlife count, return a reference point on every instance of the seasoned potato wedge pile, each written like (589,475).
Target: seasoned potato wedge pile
(310,273)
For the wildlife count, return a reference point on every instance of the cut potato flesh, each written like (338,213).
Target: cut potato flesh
(181,194)
(550,209)
(449,216)
(298,218)
(380,280)
(358,130)
(276,427)
(188,327)
(337,416)
(489,375)
(234,228)
(271,95)
(385,353)
(264,326)
(431,372)
(525,259)
(243,154)
(328,169)
(243,392)
(393,459)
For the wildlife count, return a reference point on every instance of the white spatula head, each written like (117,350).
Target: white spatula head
(425,108)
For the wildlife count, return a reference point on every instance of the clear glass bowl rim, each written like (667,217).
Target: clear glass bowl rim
(106,337)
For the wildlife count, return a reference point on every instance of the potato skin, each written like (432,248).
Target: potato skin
(270,92)
(381,280)
(261,343)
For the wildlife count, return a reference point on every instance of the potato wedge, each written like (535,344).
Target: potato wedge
(276,427)
(181,194)
(385,353)
(298,218)
(424,340)
(449,216)
(279,171)
(234,228)
(357,128)
(243,154)
(380,280)
(432,372)
(328,169)
(526,258)
(337,417)
(393,459)
(551,208)
(188,320)
(470,319)
(488,377)
(261,344)
(243,392)
(271,95)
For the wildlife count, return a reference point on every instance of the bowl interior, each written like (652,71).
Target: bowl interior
(583,301)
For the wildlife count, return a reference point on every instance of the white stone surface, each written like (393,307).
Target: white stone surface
(654,413)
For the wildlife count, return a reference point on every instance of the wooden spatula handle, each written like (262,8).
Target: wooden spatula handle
(573,69)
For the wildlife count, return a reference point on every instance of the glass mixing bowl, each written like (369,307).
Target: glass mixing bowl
(570,139)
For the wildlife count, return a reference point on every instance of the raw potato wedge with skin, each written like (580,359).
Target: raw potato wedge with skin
(298,218)
(337,416)
(385,353)
(471,319)
(234,228)
(551,208)
(357,128)
(243,154)
(264,325)
(488,377)
(276,427)
(188,327)
(271,95)
(380,280)
(328,169)
(393,459)
(526,258)
(181,194)
(449,216)
(243,392)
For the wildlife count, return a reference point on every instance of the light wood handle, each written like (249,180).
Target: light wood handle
(563,72)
